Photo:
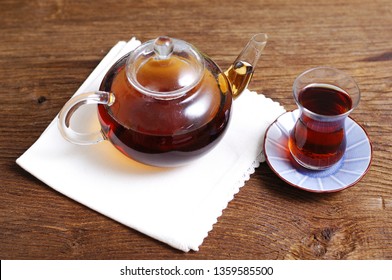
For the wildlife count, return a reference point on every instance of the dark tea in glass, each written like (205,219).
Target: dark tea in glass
(318,138)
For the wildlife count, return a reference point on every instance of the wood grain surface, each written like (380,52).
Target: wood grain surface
(48,48)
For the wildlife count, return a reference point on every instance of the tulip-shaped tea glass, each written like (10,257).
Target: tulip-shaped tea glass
(325,97)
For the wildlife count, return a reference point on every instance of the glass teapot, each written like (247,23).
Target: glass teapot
(165,103)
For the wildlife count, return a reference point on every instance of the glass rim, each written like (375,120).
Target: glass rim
(355,103)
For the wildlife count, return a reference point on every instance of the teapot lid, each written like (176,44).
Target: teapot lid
(165,68)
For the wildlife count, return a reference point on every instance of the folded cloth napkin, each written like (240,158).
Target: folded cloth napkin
(177,206)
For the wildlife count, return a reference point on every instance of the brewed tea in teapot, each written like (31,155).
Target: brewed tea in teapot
(165,103)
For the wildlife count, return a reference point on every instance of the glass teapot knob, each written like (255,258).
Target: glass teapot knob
(163,47)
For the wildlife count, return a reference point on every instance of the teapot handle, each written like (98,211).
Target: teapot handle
(65,115)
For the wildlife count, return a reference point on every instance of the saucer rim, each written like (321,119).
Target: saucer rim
(315,190)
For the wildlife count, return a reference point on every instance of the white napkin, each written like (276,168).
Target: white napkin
(177,206)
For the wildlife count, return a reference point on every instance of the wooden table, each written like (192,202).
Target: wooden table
(48,48)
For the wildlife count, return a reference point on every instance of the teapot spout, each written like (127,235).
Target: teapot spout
(241,71)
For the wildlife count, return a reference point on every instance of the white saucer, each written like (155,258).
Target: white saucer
(348,171)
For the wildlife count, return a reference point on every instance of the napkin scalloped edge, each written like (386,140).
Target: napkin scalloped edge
(230,196)
(237,184)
